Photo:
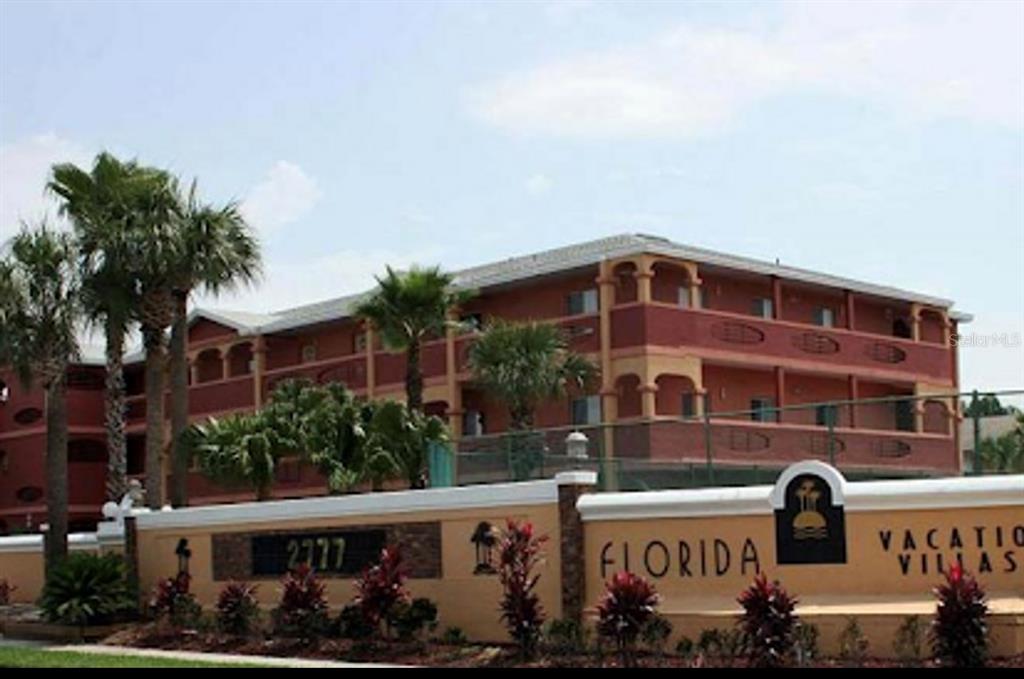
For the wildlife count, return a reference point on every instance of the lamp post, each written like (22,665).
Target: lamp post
(576,445)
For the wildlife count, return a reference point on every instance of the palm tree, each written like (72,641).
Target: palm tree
(396,443)
(100,204)
(217,251)
(155,251)
(409,308)
(1004,454)
(524,364)
(238,450)
(39,315)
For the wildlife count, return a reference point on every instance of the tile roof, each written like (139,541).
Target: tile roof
(564,259)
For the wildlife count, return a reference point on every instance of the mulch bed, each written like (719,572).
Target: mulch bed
(428,653)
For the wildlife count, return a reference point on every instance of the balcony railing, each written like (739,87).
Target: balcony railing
(666,325)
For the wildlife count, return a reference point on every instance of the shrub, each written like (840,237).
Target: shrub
(768,623)
(519,555)
(959,632)
(238,610)
(6,590)
(723,645)
(908,640)
(628,602)
(302,611)
(381,589)
(411,619)
(352,624)
(172,601)
(87,589)
(853,645)
(565,636)
(655,633)
(685,647)
(454,636)
(806,643)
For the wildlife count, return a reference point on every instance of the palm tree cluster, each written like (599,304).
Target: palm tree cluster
(350,442)
(140,244)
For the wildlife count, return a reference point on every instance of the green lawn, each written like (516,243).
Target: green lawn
(36,657)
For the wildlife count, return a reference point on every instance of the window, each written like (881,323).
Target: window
(904,413)
(824,414)
(688,406)
(586,410)
(900,328)
(825,317)
(308,353)
(472,423)
(472,322)
(582,302)
(683,299)
(761,410)
(763,307)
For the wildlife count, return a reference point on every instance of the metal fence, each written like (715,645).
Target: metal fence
(904,436)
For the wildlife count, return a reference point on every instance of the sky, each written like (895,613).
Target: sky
(882,141)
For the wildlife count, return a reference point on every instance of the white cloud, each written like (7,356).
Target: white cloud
(24,170)
(927,59)
(538,185)
(286,195)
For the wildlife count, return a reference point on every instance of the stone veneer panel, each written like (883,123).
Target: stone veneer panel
(420,543)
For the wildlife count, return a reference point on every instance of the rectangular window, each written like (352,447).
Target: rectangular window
(904,413)
(472,423)
(582,302)
(763,307)
(689,404)
(825,317)
(683,298)
(761,410)
(586,410)
(824,413)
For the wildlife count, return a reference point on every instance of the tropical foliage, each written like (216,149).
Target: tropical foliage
(87,589)
(302,611)
(768,622)
(1004,454)
(240,450)
(173,601)
(519,555)
(381,592)
(40,316)
(959,631)
(238,610)
(409,308)
(628,603)
(396,443)
(524,364)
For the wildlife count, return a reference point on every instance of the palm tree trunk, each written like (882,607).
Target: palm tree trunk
(179,400)
(56,471)
(114,413)
(413,378)
(154,340)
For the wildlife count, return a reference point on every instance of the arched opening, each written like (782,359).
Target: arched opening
(670,285)
(209,367)
(436,408)
(627,388)
(240,359)
(676,396)
(936,418)
(625,283)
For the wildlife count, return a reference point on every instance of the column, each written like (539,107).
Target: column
(609,403)
(700,394)
(648,400)
(643,274)
(225,362)
(850,321)
(370,373)
(854,388)
(572,485)
(915,322)
(259,355)
(776,297)
(193,371)
(780,391)
(454,391)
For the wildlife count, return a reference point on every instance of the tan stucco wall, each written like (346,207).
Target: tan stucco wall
(871,584)
(464,600)
(23,570)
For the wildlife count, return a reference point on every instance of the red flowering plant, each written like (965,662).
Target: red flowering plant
(381,592)
(172,601)
(959,631)
(238,610)
(302,611)
(628,603)
(519,555)
(768,623)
